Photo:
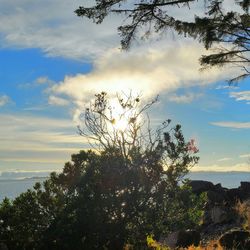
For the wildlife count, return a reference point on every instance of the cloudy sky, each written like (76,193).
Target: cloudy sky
(53,62)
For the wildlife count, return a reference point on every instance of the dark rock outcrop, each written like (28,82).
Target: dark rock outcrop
(218,195)
(220,214)
(199,186)
(217,210)
(245,186)
(235,239)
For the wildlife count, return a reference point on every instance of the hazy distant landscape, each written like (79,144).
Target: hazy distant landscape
(11,188)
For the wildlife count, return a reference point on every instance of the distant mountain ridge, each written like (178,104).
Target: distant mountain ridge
(15,175)
(34,178)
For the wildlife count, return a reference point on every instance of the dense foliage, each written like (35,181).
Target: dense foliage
(221,23)
(106,199)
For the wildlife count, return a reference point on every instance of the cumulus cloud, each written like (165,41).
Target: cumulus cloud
(4,100)
(160,69)
(234,125)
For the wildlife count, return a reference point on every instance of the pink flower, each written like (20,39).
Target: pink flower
(192,147)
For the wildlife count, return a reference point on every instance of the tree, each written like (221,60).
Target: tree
(118,194)
(24,221)
(120,123)
(138,172)
(228,29)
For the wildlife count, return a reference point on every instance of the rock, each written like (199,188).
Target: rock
(218,187)
(218,215)
(183,238)
(216,197)
(245,186)
(235,239)
(201,186)
(234,195)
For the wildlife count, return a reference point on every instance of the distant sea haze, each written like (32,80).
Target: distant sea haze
(12,185)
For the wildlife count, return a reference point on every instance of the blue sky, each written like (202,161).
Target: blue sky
(52,66)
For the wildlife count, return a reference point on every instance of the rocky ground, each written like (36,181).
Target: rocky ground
(226,219)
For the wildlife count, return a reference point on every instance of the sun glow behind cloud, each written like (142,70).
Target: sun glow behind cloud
(120,116)
(160,69)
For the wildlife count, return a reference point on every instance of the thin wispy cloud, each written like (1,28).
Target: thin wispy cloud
(245,156)
(244,167)
(36,108)
(226,86)
(186,98)
(29,138)
(33,160)
(224,159)
(58,101)
(241,96)
(40,81)
(234,125)
(4,100)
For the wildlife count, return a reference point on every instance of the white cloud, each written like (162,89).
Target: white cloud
(227,86)
(57,101)
(234,125)
(4,100)
(35,108)
(241,96)
(245,156)
(186,98)
(224,159)
(26,139)
(53,27)
(43,80)
(235,167)
(159,69)
(33,160)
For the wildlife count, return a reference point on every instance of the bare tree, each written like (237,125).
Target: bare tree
(122,123)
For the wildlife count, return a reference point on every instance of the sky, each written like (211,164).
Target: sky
(53,62)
